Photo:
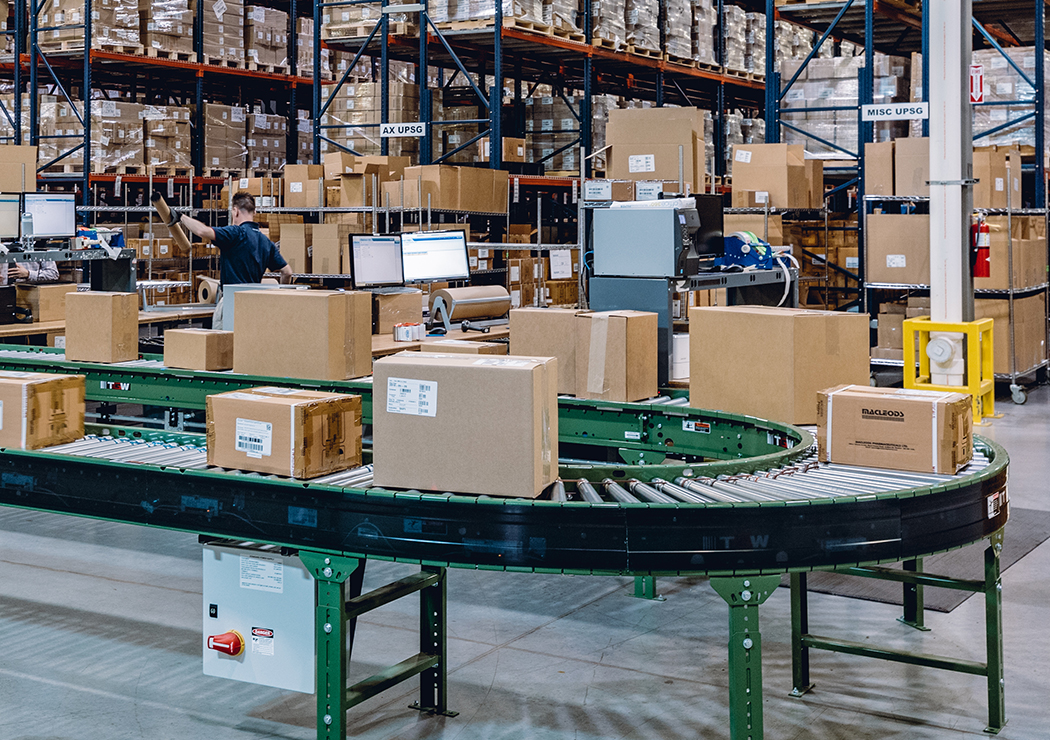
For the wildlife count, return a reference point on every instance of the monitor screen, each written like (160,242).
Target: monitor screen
(432,256)
(375,261)
(54,214)
(10,216)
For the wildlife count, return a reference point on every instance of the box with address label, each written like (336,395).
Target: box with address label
(781,172)
(284,431)
(898,248)
(652,143)
(495,408)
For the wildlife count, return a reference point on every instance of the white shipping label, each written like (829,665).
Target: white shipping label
(254,437)
(474,262)
(561,264)
(761,196)
(243,182)
(597,190)
(295,187)
(60,342)
(853,263)
(219,8)
(641,163)
(999,185)
(515,274)
(483,254)
(262,573)
(1004,88)
(109,109)
(743,155)
(632,435)
(896,260)
(515,299)
(412,397)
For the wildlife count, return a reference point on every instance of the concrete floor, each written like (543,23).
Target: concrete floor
(100,639)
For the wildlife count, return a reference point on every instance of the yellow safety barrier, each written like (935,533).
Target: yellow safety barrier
(980,378)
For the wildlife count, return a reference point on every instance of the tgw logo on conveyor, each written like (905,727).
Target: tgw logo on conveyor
(112,385)
(882,414)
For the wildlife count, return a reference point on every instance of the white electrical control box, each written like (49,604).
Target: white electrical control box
(259,617)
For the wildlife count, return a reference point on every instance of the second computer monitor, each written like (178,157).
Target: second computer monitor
(434,256)
(54,214)
(375,261)
(10,215)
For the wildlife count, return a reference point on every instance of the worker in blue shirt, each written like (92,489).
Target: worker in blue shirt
(245,252)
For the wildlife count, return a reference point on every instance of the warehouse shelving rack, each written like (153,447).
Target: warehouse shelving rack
(900,28)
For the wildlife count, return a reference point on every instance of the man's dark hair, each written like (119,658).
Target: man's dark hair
(244,201)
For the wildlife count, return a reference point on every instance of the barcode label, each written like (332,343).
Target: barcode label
(412,397)
(254,438)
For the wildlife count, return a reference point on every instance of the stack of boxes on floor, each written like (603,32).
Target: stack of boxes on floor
(114,24)
(898,249)
(167,26)
(266,37)
(224,31)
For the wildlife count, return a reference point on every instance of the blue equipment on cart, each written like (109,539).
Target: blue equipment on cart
(745,249)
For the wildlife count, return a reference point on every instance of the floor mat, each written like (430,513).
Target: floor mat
(1026,530)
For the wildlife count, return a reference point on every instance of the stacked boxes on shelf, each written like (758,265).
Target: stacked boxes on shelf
(167,26)
(349,21)
(224,137)
(305,139)
(265,141)
(115,23)
(224,31)
(266,37)
(643,25)
(357,111)
(550,125)
(167,138)
(450,136)
(678,29)
(442,11)
(755,50)
(734,25)
(562,14)
(304,55)
(116,137)
(704,23)
(1003,84)
(607,22)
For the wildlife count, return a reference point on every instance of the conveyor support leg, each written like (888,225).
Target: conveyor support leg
(799,626)
(645,588)
(993,609)
(913,599)
(744,595)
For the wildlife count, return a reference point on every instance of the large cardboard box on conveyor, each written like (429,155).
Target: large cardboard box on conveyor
(771,362)
(496,409)
(548,332)
(616,355)
(198,349)
(284,431)
(901,429)
(40,409)
(317,334)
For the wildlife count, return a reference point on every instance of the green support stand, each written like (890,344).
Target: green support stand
(744,595)
(993,620)
(801,685)
(645,588)
(913,599)
(335,626)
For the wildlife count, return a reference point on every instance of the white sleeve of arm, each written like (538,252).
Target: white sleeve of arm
(46,272)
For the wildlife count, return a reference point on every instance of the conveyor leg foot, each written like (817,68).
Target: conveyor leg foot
(645,588)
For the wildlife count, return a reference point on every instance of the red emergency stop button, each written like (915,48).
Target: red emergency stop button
(228,643)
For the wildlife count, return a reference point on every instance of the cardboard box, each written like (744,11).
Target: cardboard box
(878,168)
(40,409)
(18,168)
(616,355)
(501,409)
(924,431)
(389,309)
(198,349)
(304,193)
(102,327)
(328,246)
(547,332)
(437,182)
(46,301)
(911,167)
(338,163)
(284,431)
(311,334)
(891,330)
(898,249)
(296,240)
(464,347)
(778,169)
(513,150)
(1029,254)
(645,144)
(771,362)
(603,190)
(1029,330)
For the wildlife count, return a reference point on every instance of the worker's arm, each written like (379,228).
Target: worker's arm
(42,272)
(286,274)
(197,228)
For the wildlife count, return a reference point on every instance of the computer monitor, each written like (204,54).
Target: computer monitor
(54,214)
(434,256)
(375,261)
(10,216)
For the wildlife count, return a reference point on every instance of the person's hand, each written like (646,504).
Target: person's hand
(17,272)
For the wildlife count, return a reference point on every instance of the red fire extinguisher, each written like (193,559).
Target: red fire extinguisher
(981,242)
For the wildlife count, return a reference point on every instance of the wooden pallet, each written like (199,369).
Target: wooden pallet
(175,56)
(134,49)
(740,75)
(362,30)
(708,67)
(125,169)
(641,51)
(223,62)
(682,61)
(276,69)
(607,44)
(218,172)
(569,34)
(63,169)
(171,171)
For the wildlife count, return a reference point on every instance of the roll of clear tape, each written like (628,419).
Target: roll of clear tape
(478,302)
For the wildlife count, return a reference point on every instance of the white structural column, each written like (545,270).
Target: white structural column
(951,195)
